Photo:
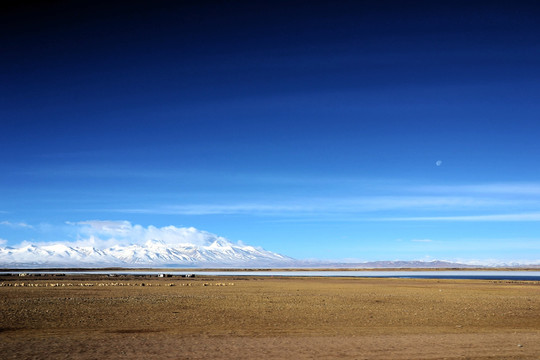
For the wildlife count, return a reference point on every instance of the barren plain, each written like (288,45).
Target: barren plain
(99,317)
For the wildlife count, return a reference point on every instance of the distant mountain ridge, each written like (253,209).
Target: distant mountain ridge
(153,253)
(395,264)
(213,252)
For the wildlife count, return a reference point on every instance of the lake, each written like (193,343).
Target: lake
(424,274)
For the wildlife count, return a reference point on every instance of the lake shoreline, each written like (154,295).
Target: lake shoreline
(330,269)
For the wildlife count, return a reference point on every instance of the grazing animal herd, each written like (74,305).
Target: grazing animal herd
(22,284)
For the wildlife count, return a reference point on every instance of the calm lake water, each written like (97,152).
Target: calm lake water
(450,274)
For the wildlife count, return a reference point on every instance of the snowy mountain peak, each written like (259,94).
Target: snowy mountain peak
(169,246)
(220,243)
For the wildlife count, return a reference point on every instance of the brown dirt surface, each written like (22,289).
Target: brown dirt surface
(96,317)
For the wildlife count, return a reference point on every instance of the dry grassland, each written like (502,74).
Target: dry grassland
(95,317)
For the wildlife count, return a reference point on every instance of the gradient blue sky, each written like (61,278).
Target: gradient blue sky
(312,129)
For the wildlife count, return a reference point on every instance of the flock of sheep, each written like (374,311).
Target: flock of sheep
(22,284)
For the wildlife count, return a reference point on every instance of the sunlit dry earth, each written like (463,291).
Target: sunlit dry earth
(272,318)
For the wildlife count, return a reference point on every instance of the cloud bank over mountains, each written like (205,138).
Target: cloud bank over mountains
(119,243)
(98,243)
(99,233)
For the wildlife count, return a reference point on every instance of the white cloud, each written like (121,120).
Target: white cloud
(497,217)
(3,242)
(116,228)
(104,233)
(321,206)
(16,224)
(490,188)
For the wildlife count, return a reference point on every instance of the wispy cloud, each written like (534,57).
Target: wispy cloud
(422,240)
(220,209)
(115,228)
(389,202)
(491,217)
(489,188)
(16,224)
(311,206)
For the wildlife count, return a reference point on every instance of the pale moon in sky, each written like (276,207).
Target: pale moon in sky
(438,163)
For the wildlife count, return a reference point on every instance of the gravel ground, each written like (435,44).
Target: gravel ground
(90,317)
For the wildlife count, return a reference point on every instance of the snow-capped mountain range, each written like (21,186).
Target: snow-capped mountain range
(153,253)
(122,244)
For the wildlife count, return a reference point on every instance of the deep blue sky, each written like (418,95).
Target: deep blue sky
(309,128)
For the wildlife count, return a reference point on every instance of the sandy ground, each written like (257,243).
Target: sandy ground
(95,317)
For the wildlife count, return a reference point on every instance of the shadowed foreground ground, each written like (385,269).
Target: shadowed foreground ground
(93,317)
